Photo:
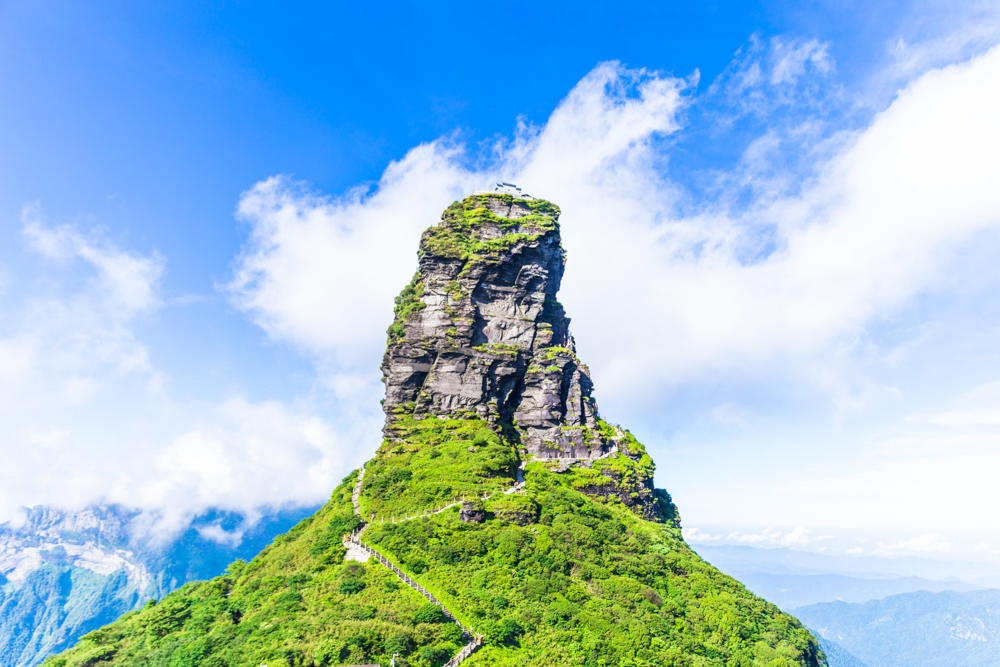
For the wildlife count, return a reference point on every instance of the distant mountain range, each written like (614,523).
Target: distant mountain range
(837,655)
(876,611)
(926,629)
(793,579)
(63,574)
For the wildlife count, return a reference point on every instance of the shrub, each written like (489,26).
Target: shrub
(433,655)
(351,586)
(429,613)
(401,643)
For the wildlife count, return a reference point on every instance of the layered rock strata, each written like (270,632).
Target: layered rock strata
(479,331)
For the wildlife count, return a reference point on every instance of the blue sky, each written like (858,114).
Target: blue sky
(780,222)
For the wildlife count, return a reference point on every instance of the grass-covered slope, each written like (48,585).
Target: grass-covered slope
(298,603)
(589,584)
(433,461)
(570,559)
(553,576)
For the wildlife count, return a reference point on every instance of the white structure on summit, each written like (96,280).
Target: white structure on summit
(505,188)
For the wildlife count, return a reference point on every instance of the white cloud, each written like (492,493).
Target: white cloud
(792,59)
(665,292)
(941,33)
(767,74)
(318,271)
(791,291)
(770,537)
(322,272)
(127,280)
(15,362)
(980,406)
(928,543)
(871,232)
(247,456)
(86,415)
(70,337)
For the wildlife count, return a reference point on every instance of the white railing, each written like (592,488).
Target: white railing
(518,487)
(469,649)
(356,496)
(466,651)
(355,539)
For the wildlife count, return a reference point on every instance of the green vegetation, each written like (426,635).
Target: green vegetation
(455,237)
(433,461)
(298,603)
(503,244)
(455,290)
(553,576)
(516,507)
(564,571)
(472,212)
(555,352)
(502,349)
(408,304)
(589,584)
(446,242)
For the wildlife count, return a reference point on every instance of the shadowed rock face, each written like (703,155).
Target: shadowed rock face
(479,331)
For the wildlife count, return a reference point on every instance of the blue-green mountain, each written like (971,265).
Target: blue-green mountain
(946,629)
(63,574)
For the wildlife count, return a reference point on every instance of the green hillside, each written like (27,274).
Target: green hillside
(505,517)
(584,582)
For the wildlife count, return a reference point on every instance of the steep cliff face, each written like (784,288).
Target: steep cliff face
(479,331)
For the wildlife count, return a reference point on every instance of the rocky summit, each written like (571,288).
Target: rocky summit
(502,521)
(479,330)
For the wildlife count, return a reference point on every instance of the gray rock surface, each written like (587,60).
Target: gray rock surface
(480,332)
(472,512)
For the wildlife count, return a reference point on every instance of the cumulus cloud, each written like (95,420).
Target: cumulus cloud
(87,417)
(791,288)
(317,270)
(702,291)
(667,289)
(246,456)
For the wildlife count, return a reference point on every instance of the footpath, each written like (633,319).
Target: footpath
(356,546)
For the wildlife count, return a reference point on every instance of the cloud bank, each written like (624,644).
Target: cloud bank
(87,417)
(783,269)
(691,293)
(670,293)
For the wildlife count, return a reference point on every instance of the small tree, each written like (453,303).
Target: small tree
(429,613)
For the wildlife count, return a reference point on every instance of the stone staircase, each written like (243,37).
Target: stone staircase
(353,542)
(356,495)
(354,539)
(466,651)
(517,487)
